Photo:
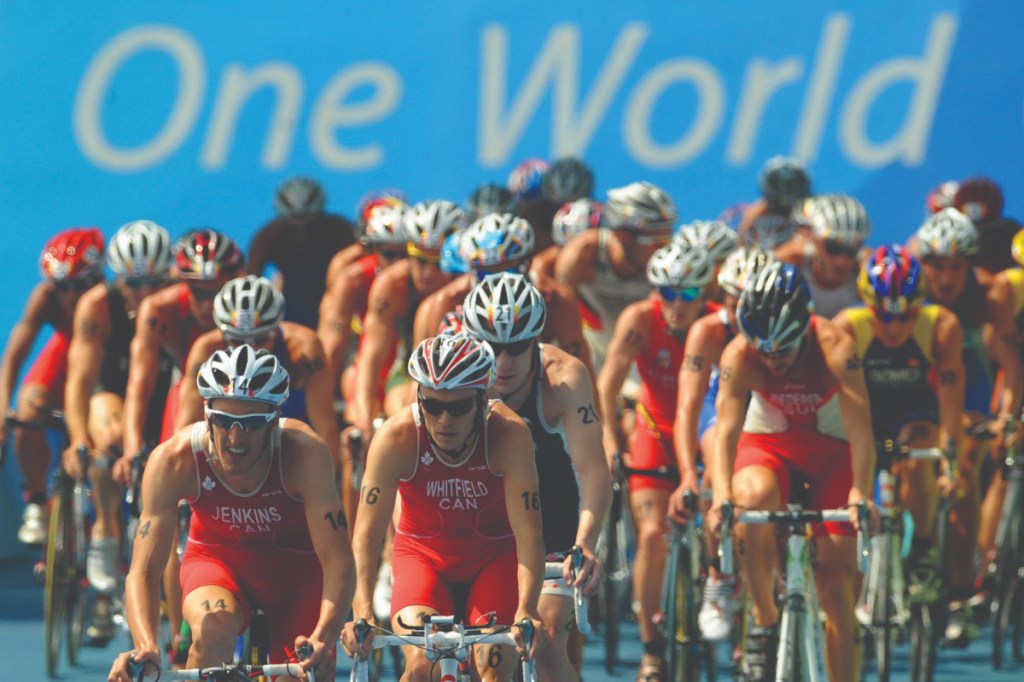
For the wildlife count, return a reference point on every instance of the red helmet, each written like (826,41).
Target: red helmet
(979,198)
(206,254)
(75,253)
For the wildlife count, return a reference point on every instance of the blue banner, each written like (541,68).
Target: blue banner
(190,113)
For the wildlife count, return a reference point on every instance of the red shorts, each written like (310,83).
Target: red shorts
(651,449)
(50,368)
(288,586)
(485,580)
(822,460)
(170,412)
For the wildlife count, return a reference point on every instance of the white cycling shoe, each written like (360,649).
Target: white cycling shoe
(716,609)
(34,524)
(101,565)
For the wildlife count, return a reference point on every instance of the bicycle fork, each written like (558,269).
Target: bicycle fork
(885,565)
(800,633)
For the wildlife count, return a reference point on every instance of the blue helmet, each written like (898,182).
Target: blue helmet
(775,309)
(891,281)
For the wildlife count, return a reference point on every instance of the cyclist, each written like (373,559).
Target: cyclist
(169,322)
(694,429)
(504,243)
(784,184)
(489,197)
(651,334)
(139,254)
(567,179)
(808,417)
(981,200)
(300,243)
(250,310)
(945,244)
(395,296)
(469,526)
(264,516)
(904,344)
(605,267)
(571,219)
(719,240)
(367,205)
(552,392)
(344,306)
(71,263)
(828,255)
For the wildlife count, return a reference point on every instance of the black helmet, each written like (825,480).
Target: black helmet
(774,310)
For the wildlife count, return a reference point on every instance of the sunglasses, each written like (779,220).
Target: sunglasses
(247,422)
(780,354)
(143,282)
(515,348)
(455,408)
(838,248)
(688,294)
(422,256)
(75,285)
(886,318)
(203,293)
(261,340)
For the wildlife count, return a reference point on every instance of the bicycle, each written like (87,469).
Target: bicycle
(1007,569)
(882,607)
(226,672)
(681,598)
(447,643)
(612,553)
(801,636)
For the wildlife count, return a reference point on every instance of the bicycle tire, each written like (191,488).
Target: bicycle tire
(53,590)
(882,624)
(612,579)
(78,584)
(789,665)
(923,638)
(1007,590)
(674,609)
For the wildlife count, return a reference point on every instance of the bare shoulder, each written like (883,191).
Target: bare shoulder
(947,325)
(448,296)
(502,422)
(508,438)
(563,370)
(831,337)
(300,340)
(173,465)
(580,250)
(205,345)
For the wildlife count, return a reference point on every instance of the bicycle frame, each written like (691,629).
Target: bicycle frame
(1009,566)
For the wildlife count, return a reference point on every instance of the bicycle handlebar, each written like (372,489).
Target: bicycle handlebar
(224,671)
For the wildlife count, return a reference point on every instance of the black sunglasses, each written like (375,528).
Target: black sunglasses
(203,293)
(76,285)
(838,248)
(143,282)
(246,422)
(514,349)
(455,408)
(236,339)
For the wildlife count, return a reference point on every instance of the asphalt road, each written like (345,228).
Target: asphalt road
(21,645)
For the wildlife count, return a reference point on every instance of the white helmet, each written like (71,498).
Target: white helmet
(947,233)
(639,206)
(428,223)
(575,218)
(140,249)
(714,235)
(838,217)
(495,239)
(450,363)
(679,265)
(741,265)
(385,226)
(247,307)
(244,373)
(504,308)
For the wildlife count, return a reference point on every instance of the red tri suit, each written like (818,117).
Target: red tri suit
(794,425)
(256,546)
(192,332)
(656,407)
(454,550)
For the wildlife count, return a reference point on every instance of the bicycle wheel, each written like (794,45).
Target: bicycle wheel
(882,609)
(616,573)
(76,549)
(789,665)
(673,607)
(1007,590)
(924,634)
(54,601)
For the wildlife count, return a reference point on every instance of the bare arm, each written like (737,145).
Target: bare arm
(583,437)
(575,262)
(379,332)
(261,250)
(565,325)
(328,530)
(846,366)
(190,403)
(949,367)
(1005,346)
(737,376)
(337,309)
(320,398)
(19,343)
(151,329)
(514,458)
(85,358)
(628,342)
(702,351)
(169,476)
